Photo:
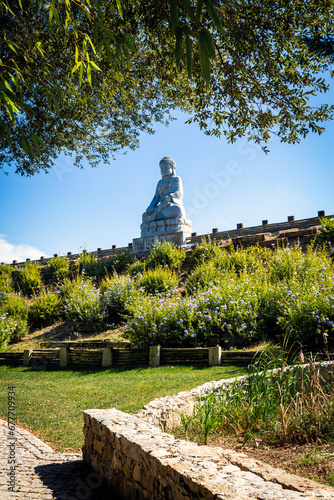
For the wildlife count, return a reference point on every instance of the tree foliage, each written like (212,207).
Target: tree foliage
(85,77)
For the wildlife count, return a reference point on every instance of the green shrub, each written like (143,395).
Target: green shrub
(119,262)
(81,301)
(226,314)
(59,267)
(204,275)
(167,321)
(90,266)
(45,308)
(15,308)
(165,254)
(252,260)
(137,267)
(307,313)
(158,280)
(327,230)
(206,250)
(7,329)
(29,278)
(116,292)
(6,281)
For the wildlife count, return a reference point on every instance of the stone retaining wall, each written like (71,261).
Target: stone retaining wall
(139,460)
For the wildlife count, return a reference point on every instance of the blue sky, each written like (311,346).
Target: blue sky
(71,209)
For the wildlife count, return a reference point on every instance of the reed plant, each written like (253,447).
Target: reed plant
(285,399)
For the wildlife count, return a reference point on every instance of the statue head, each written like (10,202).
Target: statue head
(167,160)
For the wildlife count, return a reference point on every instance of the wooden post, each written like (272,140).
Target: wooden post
(27,354)
(63,356)
(154,360)
(107,357)
(215,356)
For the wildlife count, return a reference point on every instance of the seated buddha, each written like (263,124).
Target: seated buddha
(167,201)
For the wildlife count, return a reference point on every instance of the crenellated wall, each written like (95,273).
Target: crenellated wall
(265,235)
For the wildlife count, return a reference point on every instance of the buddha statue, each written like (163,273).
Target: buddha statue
(165,213)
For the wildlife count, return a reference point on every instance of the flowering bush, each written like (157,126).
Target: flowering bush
(137,267)
(59,267)
(204,275)
(7,329)
(158,280)
(164,320)
(81,301)
(327,230)
(227,314)
(165,254)
(90,266)
(206,250)
(116,292)
(270,295)
(6,278)
(15,308)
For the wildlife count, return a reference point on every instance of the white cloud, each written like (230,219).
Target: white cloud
(10,252)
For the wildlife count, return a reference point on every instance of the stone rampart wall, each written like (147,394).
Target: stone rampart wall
(265,235)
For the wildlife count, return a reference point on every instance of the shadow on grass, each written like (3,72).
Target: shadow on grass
(115,369)
(74,481)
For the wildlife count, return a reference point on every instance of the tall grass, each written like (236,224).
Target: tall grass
(283,400)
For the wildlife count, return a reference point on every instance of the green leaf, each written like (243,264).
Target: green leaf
(189,8)
(199,8)
(204,58)
(9,139)
(174,14)
(189,55)
(214,16)
(119,8)
(89,74)
(91,43)
(107,32)
(76,66)
(26,146)
(178,46)
(11,46)
(3,131)
(129,42)
(81,74)
(92,63)
(207,42)
(126,52)
(35,140)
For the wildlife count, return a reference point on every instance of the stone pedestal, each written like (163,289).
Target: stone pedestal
(146,243)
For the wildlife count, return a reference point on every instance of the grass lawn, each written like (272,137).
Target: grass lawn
(50,403)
